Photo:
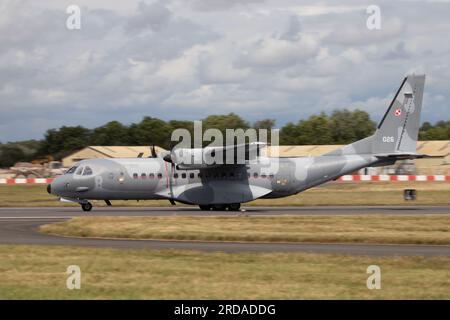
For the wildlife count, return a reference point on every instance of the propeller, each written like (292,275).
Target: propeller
(153,152)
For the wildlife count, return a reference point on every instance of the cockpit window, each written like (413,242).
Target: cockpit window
(71,170)
(87,171)
(79,171)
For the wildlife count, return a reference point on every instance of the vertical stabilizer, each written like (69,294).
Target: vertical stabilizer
(399,129)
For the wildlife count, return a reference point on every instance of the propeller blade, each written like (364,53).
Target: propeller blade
(153,150)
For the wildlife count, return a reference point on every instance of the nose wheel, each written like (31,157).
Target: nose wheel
(86,206)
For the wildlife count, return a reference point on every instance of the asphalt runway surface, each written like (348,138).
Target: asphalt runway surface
(19,226)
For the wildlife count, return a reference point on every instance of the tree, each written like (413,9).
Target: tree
(267,124)
(438,131)
(111,134)
(289,134)
(349,126)
(315,130)
(223,122)
(151,131)
(60,143)
(180,124)
(10,154)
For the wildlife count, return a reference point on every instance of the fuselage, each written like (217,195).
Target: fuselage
(154,178)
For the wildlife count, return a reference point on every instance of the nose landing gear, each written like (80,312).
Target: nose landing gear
(87,206)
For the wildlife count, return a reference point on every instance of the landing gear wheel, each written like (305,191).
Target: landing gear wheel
(219,207)
(205,207)
(86,206)
(234,206)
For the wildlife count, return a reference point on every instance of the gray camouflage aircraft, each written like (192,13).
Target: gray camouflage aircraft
(226,186)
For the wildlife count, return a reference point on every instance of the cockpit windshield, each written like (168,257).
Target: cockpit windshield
(87,171)
(71,170)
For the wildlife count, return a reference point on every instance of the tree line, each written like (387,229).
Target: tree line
(339,127)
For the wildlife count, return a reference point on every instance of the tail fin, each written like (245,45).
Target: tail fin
(398,131)
(399,128)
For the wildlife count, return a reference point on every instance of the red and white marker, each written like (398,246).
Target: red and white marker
(398,112)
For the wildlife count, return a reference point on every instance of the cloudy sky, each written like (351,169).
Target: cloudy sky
(186,59)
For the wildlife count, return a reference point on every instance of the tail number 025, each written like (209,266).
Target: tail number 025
(388,139)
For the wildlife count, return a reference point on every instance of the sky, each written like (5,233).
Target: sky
(186,59)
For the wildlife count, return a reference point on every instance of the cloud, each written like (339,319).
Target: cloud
(219,5)
(188,59)
(149,16)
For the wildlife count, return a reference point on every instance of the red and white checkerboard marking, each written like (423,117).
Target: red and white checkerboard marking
(27,181)
(440,178)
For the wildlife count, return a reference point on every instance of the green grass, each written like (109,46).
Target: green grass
(362,193)
(38,272)
(404,229)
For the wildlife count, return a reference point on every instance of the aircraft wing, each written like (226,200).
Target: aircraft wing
(213,157)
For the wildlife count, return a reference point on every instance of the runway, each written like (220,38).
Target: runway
(19,226)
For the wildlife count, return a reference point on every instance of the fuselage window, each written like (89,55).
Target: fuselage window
(159,175)
(271,176)
(71,170)
(255,175)
(191,175)
(183,175)
(263,176)
(143,176)
(79,171)
(87,171)
(175,175)
(151,175)
(135,176)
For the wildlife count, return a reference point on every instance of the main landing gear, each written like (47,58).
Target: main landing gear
(221,207)
(87,206)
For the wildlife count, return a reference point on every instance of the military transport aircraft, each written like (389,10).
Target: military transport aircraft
(226,186)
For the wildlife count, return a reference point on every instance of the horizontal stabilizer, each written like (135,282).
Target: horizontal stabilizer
(400,156)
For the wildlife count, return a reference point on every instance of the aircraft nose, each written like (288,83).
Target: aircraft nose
(49,188)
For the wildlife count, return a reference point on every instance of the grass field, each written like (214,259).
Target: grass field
(38,272)
(428,229)
(362,193)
